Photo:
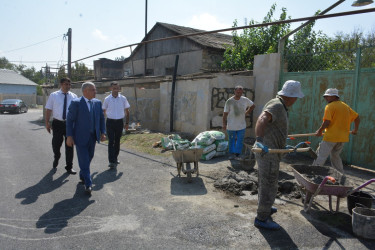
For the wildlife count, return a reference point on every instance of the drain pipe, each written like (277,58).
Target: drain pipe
(172,94)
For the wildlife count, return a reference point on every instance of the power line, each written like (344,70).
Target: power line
(237,28)
(30,45)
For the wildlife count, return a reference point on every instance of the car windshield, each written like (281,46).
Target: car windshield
(9,101)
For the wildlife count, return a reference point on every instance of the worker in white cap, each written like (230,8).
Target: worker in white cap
(271,130)
(336,127)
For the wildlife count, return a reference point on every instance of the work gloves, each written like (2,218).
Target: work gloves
(259,144)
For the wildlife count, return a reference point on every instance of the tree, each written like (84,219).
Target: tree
(80,72)
(254,41)
(121,58)
(5,64)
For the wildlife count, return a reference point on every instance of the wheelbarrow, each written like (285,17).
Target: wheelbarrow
(187,156)
(314,189)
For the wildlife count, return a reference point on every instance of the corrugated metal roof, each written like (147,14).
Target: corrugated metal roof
(213,40)
(11,77)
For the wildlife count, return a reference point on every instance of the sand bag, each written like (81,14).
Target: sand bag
(204,139)
(208,156)
(217,135)
(221,145)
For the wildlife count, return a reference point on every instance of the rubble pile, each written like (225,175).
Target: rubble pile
(236,183)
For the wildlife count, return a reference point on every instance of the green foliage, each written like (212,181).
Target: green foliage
(337,53)
(5,64)
(80,72)
(254,41)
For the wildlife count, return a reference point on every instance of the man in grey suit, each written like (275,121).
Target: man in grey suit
(85,126)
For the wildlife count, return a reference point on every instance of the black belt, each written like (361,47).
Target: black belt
(115,119)
(58,120)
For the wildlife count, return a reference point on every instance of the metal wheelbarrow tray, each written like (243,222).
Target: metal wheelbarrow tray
(187,156)
(313,189)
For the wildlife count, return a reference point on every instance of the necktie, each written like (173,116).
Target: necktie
(92,117)
(64,109)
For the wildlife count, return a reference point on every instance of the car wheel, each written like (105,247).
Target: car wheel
(26,110)
(1,112)
(18,111)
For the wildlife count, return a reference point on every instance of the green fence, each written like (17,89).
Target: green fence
(352,72)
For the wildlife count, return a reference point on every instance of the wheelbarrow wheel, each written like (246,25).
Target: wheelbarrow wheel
(189,177)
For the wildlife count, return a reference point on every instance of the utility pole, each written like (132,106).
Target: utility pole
(145,45)
(69,34)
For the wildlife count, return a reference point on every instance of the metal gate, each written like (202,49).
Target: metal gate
(352,72)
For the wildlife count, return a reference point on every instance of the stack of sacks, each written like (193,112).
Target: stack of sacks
(212,142)
(174,142)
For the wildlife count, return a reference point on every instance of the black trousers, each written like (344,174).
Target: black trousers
(114,132)
(59,133)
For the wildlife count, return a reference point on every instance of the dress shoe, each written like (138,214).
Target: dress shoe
(118,162)
(88,190)
(70,170)
(55,163)
(82,181)
(112,165)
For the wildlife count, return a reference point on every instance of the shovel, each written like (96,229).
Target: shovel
(290,149)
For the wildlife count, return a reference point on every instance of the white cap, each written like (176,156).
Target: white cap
(331,92)
(291,88)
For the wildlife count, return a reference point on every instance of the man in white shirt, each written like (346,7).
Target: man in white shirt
(235,110)
(57,105)
(116,108)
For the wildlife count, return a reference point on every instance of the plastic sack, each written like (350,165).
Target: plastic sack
(204,139)
(218,135)
(209,148)
(167,142)
(208,156)
(221,145)
(181,144)
(220,153)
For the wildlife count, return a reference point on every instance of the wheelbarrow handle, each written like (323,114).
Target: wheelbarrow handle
(362,186)
(280,151)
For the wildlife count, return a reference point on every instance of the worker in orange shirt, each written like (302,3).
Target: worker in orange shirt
(336,127)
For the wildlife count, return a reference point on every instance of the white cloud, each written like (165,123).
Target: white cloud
(207,22)
(99,35)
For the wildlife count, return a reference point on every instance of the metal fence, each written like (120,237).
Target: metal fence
(345,59)
(352,72)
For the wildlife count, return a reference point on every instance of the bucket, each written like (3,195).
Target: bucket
(363,198)
(363,222)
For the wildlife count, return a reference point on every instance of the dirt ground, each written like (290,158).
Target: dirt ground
(290,190)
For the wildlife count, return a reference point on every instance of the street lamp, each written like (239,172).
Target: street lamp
(359,3)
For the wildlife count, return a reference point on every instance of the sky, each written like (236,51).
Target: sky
(33,31)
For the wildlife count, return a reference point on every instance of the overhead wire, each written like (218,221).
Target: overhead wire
(236,28)
(30,45)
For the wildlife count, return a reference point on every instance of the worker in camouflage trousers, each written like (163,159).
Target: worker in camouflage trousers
(271,131)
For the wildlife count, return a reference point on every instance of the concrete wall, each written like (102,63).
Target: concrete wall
(266,73)
(199,102)
(146,109)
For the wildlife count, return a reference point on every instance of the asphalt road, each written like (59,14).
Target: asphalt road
(142,205)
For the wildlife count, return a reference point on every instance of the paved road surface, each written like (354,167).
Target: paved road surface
(139,206)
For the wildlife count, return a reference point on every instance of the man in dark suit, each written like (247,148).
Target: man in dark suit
(84,126)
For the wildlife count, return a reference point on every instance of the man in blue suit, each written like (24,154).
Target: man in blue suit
(85,126)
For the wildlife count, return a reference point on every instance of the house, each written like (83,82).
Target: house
(16,86)
(196,53)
